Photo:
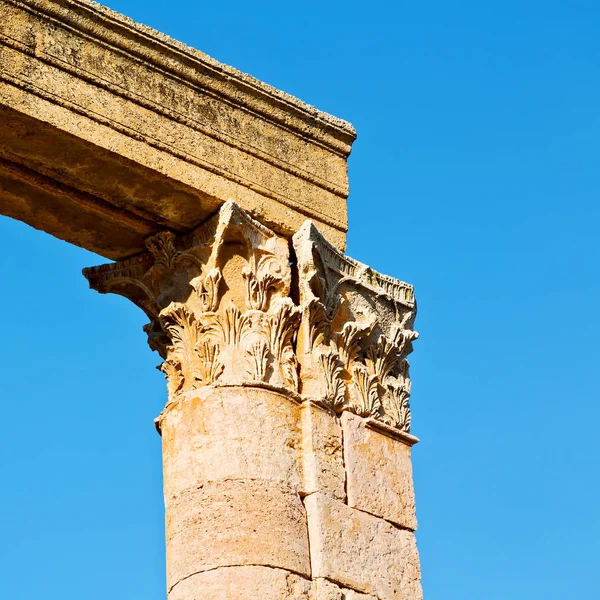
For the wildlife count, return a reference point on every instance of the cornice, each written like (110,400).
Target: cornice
(198,69)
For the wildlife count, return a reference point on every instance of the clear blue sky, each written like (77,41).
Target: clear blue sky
(475,177)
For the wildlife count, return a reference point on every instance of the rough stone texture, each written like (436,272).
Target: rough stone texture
(361,551)
(257,377)
(222,313)
(322,459)
(236,522)
(112,131)
(356,333)
(379,473)
(230,433)
(322,589)
(195,177)
(219,304)
(240,356)
(352,595)
(243,583)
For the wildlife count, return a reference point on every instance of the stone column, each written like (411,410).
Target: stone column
(286,444)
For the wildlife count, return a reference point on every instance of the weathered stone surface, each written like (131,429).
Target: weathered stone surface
(112,131)
(236,522)
(195,177)
(230,433)
(221,313)
(243,583)
(256,383)
(379,473)
(218,300)
(352,595)
(355,334)
(361,551)
(322,459)
(322,589)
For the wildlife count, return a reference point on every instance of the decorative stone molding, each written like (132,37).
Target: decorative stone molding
(218,300)
(356,332)
(85,91)
(223,311)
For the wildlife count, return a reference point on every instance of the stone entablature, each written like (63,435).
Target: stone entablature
(112,132)
(227,308)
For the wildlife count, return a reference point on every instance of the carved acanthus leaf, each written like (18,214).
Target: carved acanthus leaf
(258,358)
(184,332)
(381,358)
(367,403)
(281,325)
(333,370)
(397,405)
(181,326)
(211,368)
(207,288)
(229,327)
(162,248)
(348,341)
(403,338)
(258,288)
(172,371)
(318,324)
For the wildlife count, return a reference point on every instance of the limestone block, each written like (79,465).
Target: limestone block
(322,589)
(360,551)
(230,433)
(352,595)
(234,522)
(243,583)
(379,473)
(322,459)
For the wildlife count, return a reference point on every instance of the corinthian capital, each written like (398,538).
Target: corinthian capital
(356,332)
(218,301)
(223,311)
